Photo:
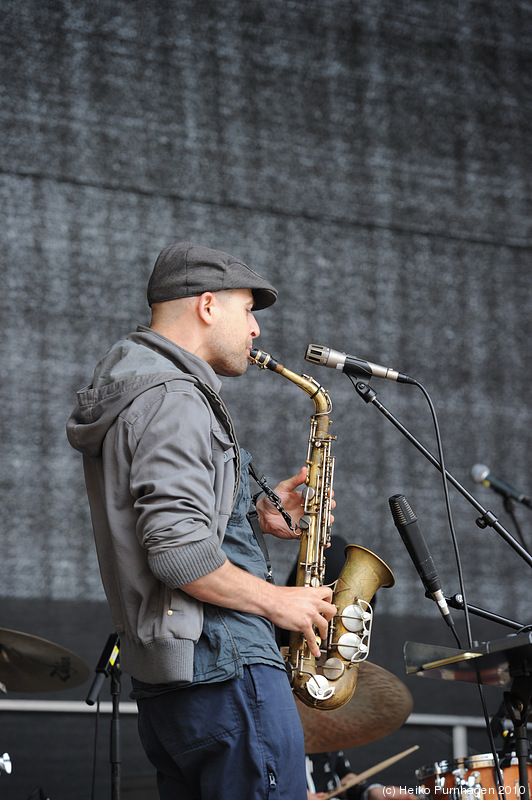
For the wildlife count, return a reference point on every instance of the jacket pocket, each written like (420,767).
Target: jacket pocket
(181,616)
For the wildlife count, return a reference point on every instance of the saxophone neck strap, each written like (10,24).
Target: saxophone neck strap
(274,498)
(253,517)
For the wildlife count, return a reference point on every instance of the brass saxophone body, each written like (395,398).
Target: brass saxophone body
(330,682)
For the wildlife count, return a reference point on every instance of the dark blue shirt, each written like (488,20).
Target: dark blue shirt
(231,639)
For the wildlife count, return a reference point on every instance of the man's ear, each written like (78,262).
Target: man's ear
(206,305)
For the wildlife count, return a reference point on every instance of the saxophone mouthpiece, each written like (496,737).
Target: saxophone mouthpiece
(263,360)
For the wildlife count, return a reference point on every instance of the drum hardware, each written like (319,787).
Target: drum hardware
(31,664)
(506,663)
(472,778)
(518,704)
(363,776)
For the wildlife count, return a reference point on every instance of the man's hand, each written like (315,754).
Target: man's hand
(304,608)
(270,520)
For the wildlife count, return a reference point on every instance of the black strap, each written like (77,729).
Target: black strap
(270,494)
(253,519)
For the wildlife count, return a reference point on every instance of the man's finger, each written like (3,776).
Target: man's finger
(296,480)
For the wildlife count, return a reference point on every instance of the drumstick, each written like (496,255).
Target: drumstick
(368,773)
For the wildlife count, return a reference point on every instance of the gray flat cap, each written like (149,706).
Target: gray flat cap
(184,269)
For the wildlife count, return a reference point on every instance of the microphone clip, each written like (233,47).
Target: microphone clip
(365,391)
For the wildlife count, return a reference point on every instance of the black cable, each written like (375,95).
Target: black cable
(467,618)
(94,754)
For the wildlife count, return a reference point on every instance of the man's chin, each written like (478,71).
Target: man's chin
(231,370)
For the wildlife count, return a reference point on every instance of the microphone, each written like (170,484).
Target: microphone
(351,365)
(104,666)
(481,474)
(407,525)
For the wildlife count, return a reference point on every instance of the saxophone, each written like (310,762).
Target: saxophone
(330,681)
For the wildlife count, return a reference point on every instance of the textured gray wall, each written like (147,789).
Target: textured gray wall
(373,160)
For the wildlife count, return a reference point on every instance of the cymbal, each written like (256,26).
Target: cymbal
(380,704)
(31,664)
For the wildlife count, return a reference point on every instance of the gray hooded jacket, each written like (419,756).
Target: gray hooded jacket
(161,465)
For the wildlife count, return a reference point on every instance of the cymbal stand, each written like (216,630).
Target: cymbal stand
(108,666)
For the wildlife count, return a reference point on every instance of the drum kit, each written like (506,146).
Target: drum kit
(472,777)
(380,704)
(504,663)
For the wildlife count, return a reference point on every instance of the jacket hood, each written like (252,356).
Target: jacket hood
(132,366)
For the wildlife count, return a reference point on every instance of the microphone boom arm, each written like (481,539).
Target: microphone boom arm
(457,602)
(487,518)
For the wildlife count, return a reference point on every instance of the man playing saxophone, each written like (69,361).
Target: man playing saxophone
(184,574)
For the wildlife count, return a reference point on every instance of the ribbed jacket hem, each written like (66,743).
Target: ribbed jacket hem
(160,661)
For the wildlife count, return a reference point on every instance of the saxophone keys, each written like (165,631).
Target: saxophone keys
(355,617)
(318,687)
(333,668)
(304,522)
(352,647)
(308,492)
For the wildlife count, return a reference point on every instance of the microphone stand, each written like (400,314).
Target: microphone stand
(518,704)
(509,508)
(487,518)
(519,700)
(108,666)
(457,601)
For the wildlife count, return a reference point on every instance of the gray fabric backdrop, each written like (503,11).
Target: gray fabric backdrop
(373,160)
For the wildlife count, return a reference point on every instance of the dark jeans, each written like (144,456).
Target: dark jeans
(240,739)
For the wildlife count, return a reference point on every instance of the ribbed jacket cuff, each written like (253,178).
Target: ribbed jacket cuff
(187,563)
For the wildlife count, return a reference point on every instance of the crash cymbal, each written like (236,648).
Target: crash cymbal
(380,704)
(31,664)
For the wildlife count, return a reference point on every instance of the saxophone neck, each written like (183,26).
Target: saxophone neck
(315,391)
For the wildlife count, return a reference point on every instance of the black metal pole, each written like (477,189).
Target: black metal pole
(486,517)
